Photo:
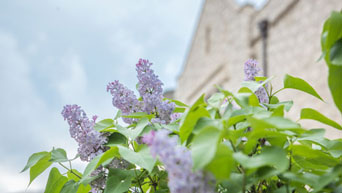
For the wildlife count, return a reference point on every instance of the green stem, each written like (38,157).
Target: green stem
(138,181)
(69,170)
(277,91)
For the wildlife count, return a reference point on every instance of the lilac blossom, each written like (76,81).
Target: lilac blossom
(124,99)
(151,91)
(178,163)
(90,142)
(175,116)
(251,71)
(99,183)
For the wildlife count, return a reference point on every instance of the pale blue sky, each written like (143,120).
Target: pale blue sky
(61,52)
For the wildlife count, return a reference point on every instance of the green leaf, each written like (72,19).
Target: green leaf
(74,175)
(254,85)
(253,99)
(273,122)
(188,122)
(55,181)
(224,159)
(90,168)
(269,156)
(312,159)
(216,100)
(119,180)
(40,167)
(135,132)
(143,158)
(108,155)
(34,158)
(178,103)
(299,84)
(335,85)
(308,113)
(336,53)
(116,139)
(331,175)
(70,187)
(104,124)
(334,29)
(58,155)
(204,146)
(139,115)
(83,188)
(287,105)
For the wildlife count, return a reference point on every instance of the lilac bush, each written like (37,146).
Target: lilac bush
(231,142)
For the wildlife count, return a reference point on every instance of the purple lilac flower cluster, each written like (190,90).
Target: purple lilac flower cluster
(151,92)
(90,142)
(251,70)
(124,99)
(178,163)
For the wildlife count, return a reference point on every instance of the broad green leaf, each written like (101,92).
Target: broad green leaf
(254,85)
(224,159)
(203,123)
(335,147)
(70,187)
(40,167)
(83,188)
(334,29)
(34,158)
(307,178)
(332,175)
(55,181)
(300,84)
(312,159)
(204,146)
(116,139)
(308,113)
(139,115)
(273,122)
(104,124)
(119,180)
(90,168)
(143,158)
(133,133)
(253,99)
(192,115)
(234,184)
(336,53)
(315,136)
(287,105)
(74,175)
(178,103)
(58,155)
(335,85)
(269,156)
(108,155)
(216,100)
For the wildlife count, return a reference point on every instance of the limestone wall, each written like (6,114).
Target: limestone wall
(227,35)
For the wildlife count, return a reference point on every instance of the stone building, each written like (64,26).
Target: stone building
(227,35)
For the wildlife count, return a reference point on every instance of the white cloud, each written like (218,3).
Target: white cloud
(73,82)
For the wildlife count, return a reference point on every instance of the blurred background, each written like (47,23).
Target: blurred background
(61,52)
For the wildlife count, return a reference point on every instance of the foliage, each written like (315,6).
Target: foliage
(231,142)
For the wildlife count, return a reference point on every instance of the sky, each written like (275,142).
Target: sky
(61,52)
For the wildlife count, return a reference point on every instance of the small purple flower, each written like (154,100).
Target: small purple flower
(178,164)
(124,99)
(251,71)
(90,142)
